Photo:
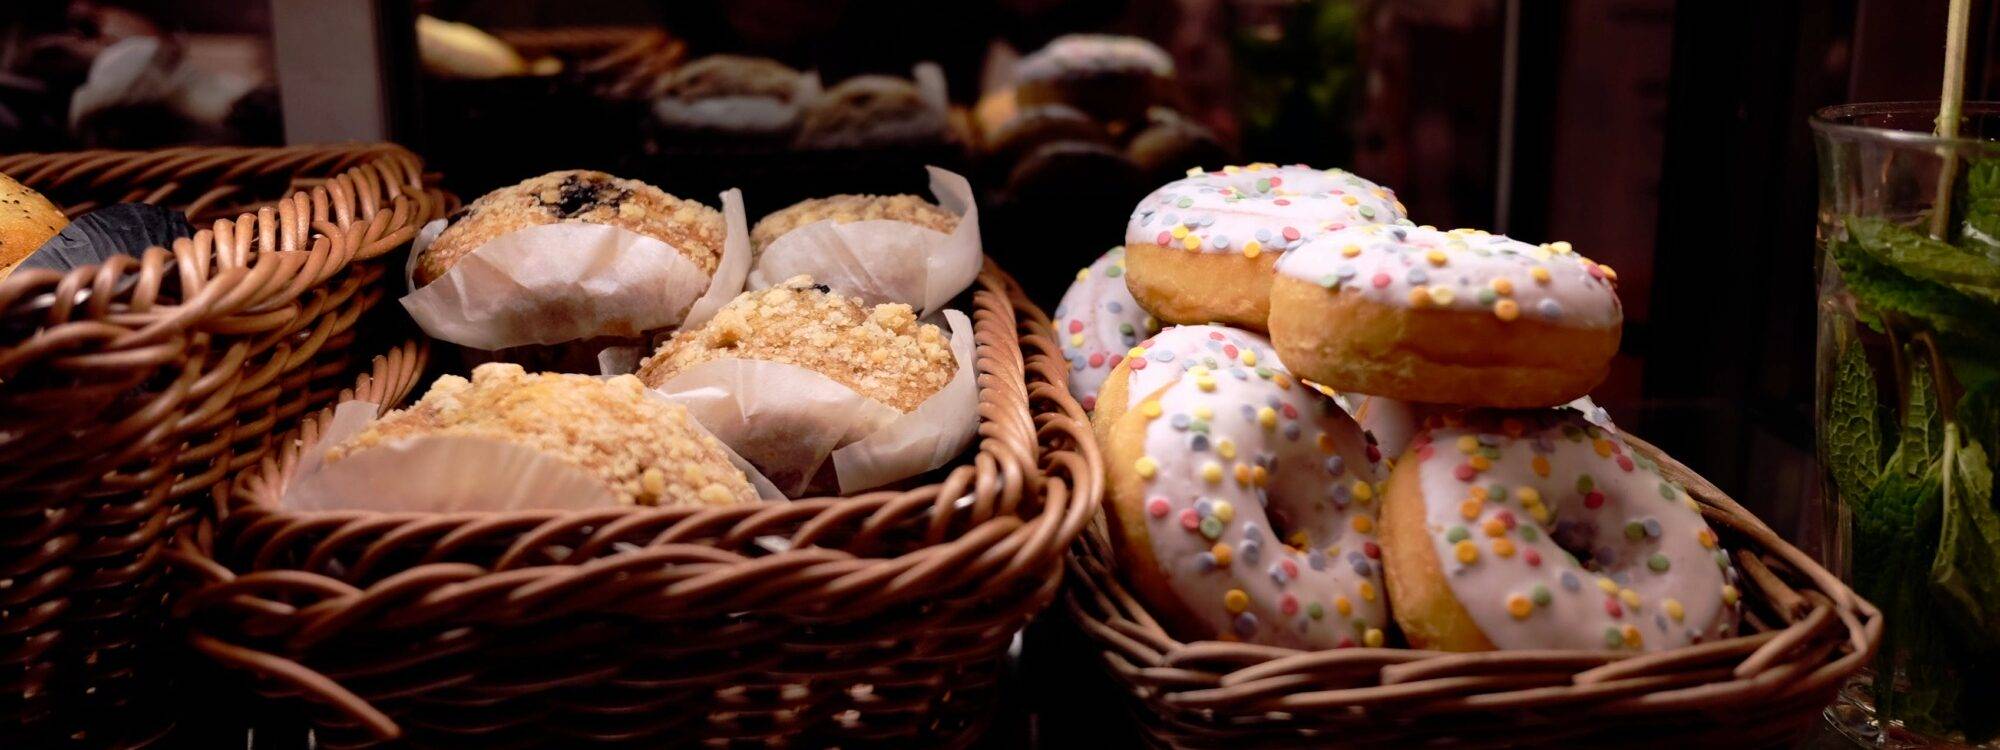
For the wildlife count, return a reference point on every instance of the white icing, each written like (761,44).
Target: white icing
(1641,521)
(1087,52)
(1098,321)
(1160,359)
(1258,209)
(1237,452)
(1461,269)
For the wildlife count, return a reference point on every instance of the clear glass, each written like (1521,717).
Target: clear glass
(1907,402)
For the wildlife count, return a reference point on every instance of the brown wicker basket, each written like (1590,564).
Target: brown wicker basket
(1808,633)
(880,618)
(128,390)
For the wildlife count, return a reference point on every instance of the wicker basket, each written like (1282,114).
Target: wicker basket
(128,390)
(1809,633)
(884,617)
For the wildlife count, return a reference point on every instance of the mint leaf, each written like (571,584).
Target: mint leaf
(1978,199)
(1965,576)
(1881,290)
(1853,437)
(1921,443)
(1919,256)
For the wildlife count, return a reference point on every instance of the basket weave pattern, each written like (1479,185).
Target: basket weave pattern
(883,617)
(1807,633)
(130,389)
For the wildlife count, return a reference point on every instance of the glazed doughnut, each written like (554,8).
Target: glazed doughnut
(1243,506)
(1098,322)
(1538,530)
(1460,317)
(1202,247)
(1157,361)
(1112,78)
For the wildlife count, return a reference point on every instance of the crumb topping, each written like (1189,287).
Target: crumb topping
(645,449)
(882,352)
(846,209)
(694,229)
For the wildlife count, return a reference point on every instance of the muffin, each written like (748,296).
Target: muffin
(694,229)
(871,111)
(645,450)
(1112,78)
(26,221)
(734,98)
(883,353)
(844,209)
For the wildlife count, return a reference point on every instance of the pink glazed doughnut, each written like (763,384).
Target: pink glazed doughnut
(1098,322)
(1243,505)
(1202,249)
(1538,530)
(1158,361)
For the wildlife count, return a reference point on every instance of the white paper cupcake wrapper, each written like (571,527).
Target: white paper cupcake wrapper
(884,260)
(789,421)
(449,474)
(561,282)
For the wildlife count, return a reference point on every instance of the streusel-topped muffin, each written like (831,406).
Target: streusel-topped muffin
(882,352)
(646,450)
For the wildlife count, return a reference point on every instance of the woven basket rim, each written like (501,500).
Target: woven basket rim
(241,267)
(1824,634)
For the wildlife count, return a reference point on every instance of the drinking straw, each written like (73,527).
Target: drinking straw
(1951,102)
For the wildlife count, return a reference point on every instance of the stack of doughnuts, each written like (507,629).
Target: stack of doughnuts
(1399,462)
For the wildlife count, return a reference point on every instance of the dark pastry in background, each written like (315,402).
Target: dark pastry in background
(872,111)
(1172,143)
(1111,78)
(743,99)
(1037,126)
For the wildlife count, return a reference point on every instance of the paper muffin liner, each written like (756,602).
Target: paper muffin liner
(450,473)
(883,260)
(796,425)
(558,283)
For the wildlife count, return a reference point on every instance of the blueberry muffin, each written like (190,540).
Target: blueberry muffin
(694,229)
(646,450)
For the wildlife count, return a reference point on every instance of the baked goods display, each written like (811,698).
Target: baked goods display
(26,221)
(1540,531)
(1170,143)
(504,273)
(633,447)
(1203,248)
(1413,442)
(821,391)
(877,248)
(1459,317)
(1099,323)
